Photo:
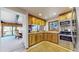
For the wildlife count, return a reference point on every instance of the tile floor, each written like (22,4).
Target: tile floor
(10,44)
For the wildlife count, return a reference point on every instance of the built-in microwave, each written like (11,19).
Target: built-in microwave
(64,23)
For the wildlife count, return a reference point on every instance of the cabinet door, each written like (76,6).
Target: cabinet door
(30,20)
(32,39)
(38,38)
(42,36)
(55,37)
(33,20)
(49,37)
(43,23)
(45,36)
(29,39)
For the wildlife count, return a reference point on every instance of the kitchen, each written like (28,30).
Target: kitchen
(43,29)
(60,30)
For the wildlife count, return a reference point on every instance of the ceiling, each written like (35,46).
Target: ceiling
(8,15)
(45,12)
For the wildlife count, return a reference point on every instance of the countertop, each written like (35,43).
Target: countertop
(43,32)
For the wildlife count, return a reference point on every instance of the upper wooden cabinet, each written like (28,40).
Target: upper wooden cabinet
(65,16)
(34,20)
(29,20)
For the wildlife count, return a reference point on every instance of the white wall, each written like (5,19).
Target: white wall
(25,30)
(77,11)
(24,22)
(46,27)
(0,24)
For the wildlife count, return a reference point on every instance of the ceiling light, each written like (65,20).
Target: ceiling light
(71,7)
(40,14)
(45,17)
(54,14)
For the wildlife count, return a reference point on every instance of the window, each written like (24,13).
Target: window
(7,30)
(14,30)
(19,29)
(34,27)
(37,28)
(53,25)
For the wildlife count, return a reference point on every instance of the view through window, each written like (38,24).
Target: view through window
(7,30)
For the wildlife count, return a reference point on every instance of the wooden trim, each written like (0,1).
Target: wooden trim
(10,24)
(65,12)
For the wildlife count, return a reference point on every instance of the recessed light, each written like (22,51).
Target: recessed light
(45,17)
(70,7)
(40,14)
(54,13)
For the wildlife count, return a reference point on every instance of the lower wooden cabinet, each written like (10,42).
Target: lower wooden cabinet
(38,37)
(49,37)
(32,39)
(55,38)
(45,35)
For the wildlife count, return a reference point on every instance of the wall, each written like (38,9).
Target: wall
(46,27)
(24,22)
(77,11)
(0,24)
(25,30)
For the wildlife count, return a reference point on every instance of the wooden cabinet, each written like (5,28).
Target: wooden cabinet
(35,38)
(29,40)
(65,16)
(32,39)
(29,20)
(50,37)
(41,36)
(37,21)
(38,38)
(45,36)
(33,20)
(55,38)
